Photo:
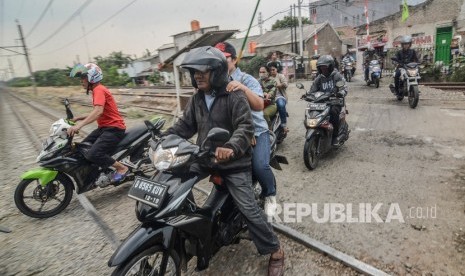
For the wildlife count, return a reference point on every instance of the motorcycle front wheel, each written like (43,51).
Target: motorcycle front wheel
(148,262)
(413,96)
(310,153)
(38,201)
(349,76)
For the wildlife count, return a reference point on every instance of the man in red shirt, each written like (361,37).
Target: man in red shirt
(111,125)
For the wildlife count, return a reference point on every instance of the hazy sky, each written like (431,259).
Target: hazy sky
(144,24)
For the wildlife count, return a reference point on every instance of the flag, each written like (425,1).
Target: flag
(404,11)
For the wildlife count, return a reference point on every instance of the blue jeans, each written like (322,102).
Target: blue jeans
(281,103)
(261,165)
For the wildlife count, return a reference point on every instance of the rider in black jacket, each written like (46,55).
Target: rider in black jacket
(211,106)
(326,82)
(404,56)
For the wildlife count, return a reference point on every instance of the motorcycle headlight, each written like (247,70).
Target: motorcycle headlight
(164,159)
(311,122)
(412,72)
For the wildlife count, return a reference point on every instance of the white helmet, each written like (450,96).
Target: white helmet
(91,70)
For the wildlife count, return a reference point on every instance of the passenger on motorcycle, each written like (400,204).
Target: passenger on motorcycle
(281,95)
(212,106)
(369,56)
(111,125)
(404,56)
(326,82)
(261,143)
(268,85)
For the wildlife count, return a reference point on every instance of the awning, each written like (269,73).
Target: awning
(207,39)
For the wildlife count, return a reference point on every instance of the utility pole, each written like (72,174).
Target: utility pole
(260,22)
(292,31)
(301,42)
(295,31)
(12,71)
(27,57)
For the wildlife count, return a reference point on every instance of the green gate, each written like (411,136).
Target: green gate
(443,39)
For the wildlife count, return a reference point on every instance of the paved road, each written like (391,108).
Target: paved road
(395,155)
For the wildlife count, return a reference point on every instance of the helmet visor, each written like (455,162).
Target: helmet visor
(196,67)
(78,71)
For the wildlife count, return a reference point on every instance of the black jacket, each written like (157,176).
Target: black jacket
(408,56)
(230,111)
(326,84)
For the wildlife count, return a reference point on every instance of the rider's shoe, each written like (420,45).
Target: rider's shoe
(270,206)
(117,177)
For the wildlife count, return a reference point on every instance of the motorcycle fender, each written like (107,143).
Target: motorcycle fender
(144,237)
(44,175)
(311,132)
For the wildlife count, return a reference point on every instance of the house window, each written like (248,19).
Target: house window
(313,10)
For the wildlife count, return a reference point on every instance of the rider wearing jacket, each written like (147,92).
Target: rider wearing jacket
(369,56)
(404,56)
(213,107)
(326,82)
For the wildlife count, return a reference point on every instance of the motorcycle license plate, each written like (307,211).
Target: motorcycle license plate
(317,106)
(147,191)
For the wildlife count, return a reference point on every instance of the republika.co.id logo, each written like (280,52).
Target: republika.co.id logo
(349,213)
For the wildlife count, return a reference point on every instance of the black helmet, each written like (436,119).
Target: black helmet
(325,60)
(204,59)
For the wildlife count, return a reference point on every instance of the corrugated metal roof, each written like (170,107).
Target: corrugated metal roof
(208,39)
(281,37)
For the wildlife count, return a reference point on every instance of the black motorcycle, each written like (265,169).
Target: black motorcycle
(318,139)
(46,191)
(174,228)
(347,69)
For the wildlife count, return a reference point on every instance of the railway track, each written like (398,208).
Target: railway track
(446,85)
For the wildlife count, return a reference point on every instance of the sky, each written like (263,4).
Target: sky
(58,40)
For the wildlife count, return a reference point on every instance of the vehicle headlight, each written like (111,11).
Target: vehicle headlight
(412,72)
(318,94)
(312,122)
(164,159)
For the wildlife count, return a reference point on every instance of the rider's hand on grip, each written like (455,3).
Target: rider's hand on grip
(223,154)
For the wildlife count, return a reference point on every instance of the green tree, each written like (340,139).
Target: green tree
(251,67)
(288,22)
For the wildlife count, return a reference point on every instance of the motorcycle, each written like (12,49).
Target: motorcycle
(318,139)
(173,227)
(348,69)
(46,191)
(408,83)
(374,73)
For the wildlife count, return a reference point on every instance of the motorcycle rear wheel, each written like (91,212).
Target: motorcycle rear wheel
(310,153)
(60,189)
(148,262)
(413,96)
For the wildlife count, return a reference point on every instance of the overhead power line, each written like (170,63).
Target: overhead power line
(77,12)
(40,18)
(92,29)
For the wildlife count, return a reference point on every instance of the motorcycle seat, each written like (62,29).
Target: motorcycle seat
(132,134)
(213,203)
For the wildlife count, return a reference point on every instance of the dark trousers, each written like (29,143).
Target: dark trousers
(240,187)
(104,141)
(334,118)
(397,80)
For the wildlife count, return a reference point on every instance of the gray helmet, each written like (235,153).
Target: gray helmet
(325,60)
(204,59)
(406,39)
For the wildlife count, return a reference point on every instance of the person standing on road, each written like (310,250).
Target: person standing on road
(404,56)
(326,82)
(212,106)
(281,95)
(111,127)
(261,151)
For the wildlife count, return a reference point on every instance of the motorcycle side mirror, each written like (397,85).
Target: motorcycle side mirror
(216,134)
(299,85)
(149,125)
(69,113)
(66,102)
(340,84)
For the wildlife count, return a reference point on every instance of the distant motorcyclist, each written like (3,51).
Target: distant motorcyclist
(404,56)
(369,56)
(326,82)
(348,58)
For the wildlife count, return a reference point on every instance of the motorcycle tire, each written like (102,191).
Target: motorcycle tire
(414,96)
(377,83)
(134,265)
(44,195)
(310,153)
(349,76)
